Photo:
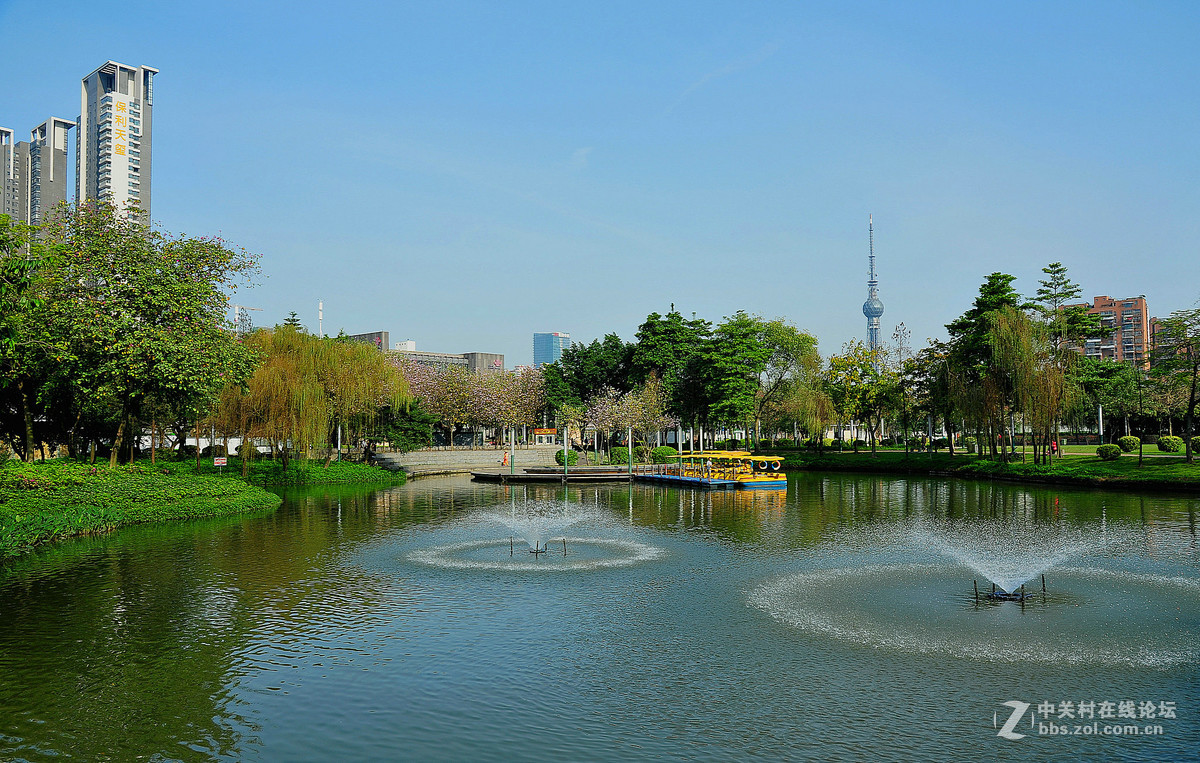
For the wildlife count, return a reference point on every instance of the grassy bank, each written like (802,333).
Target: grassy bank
(1169,473)
(299,472)
(41,502)
(53,500)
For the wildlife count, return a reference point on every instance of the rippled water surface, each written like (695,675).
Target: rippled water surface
(837,621)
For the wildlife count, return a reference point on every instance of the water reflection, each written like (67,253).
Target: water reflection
(230,638)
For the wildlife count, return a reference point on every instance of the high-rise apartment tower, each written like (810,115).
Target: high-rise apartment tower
(35,171)
(112,143)
(43,162)
(8,179)
(549,347)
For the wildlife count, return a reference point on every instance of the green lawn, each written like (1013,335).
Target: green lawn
(41,502)
(1164,470)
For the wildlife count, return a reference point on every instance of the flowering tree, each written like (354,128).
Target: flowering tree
(458,396)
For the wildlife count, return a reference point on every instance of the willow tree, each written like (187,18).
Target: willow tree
(1036,372)
(308,386)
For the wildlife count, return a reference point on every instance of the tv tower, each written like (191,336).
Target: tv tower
(872,308)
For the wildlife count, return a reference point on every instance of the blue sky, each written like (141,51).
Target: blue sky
(465,174)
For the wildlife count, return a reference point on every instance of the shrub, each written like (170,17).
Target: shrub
(1170,444)
(730,444)
(941,442)
(185,451)
(572,457)
(969,444)
(916,444)
(834,444)
(1109,452)
(643,454)
(860,443)
(247,450)
(663,454)
(1129,443)
(618,455)
(1195,444)
(213,450)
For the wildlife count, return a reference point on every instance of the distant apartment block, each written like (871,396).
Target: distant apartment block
(549,347)
(34,171)
(472,361)
(113,139)
(1128,322)
(375,338)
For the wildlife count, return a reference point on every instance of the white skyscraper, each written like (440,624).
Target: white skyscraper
(112,142)
(8,174)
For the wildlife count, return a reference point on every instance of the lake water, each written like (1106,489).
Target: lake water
(836,621)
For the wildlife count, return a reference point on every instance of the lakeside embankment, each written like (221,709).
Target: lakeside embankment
(43,502)
(1158,473)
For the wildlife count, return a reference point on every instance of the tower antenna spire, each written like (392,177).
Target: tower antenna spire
(872,308)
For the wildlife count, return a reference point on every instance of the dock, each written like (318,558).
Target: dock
(641,473)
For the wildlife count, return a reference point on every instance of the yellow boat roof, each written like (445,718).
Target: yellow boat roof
(730,454)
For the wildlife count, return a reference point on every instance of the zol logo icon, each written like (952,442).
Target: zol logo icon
(1018,710)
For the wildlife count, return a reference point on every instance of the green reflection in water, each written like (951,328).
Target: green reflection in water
(165,639)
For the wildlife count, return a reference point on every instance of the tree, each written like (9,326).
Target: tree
(306,387)
(1072,323)
(970,333)
(736,357)
(672,349)
(588,368)
(1109,384)
(793,363)
(902,367)
(862,386)
(981,391)
(932,375)
(1177,354)
(1037,378)
(124,317)
(293,321)
(406,429)
(20,352)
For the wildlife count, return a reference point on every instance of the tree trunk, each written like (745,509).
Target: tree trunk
(72,451)
(153,443)
(1187,418)
(246,449)
(117,442)
(27,417)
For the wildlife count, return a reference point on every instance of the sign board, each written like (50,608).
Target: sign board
(219,461)
(545,431)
